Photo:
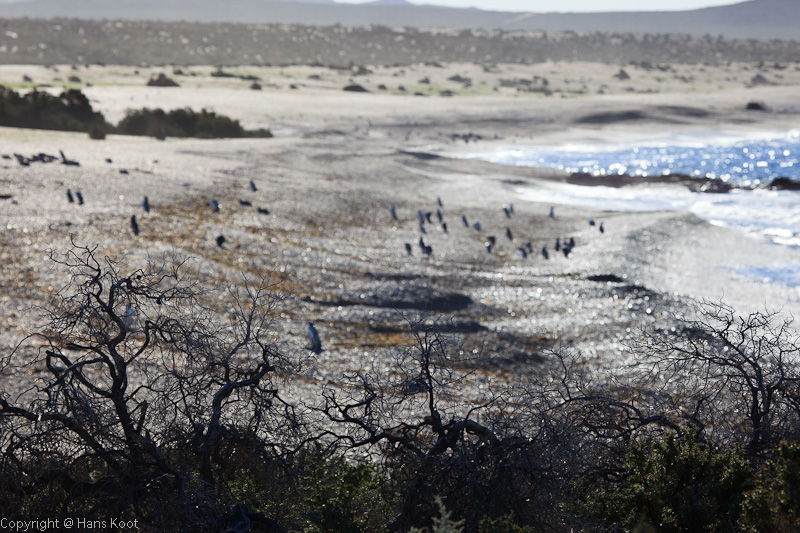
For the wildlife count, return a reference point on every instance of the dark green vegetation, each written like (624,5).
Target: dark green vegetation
(183,123)
(71,111)
(151,397)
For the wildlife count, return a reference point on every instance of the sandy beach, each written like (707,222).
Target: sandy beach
(337,163)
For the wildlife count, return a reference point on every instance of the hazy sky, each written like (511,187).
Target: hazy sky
(547,6)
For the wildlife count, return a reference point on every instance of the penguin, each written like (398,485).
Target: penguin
(313,336)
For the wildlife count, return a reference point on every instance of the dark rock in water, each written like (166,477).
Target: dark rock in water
(706,185)
(692,183)
(784,184)
(606,278)
(355,88)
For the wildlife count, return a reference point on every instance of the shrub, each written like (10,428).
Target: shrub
(346,498)
(444,523)
(677,484)
(69,111)
(774,502)
(183,123)
(503,524)
(144,387)
(162,81)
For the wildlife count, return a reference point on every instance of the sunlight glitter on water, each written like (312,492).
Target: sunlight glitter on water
(748,161)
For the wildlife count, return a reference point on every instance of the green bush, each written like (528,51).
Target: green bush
(183,123)
(677,484)
(504,524)
(69,111)
(774,503)
(444,523)
(347,498)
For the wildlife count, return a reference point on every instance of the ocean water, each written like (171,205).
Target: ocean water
(747,161)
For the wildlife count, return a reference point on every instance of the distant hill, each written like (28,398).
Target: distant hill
(389,3)
(760,19)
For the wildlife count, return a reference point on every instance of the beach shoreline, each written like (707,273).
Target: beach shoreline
(337,163)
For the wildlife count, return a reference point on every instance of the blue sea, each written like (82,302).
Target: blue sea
(749,161)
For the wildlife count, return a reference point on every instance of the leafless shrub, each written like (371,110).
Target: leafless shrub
(738,376)
(140,382)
